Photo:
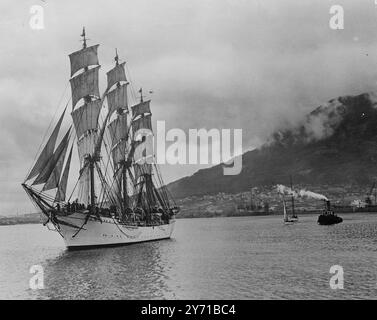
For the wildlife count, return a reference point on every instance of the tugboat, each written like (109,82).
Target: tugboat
(328,217)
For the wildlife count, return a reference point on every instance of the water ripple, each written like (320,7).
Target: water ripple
(218,258)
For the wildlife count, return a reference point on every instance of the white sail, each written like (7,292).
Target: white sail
(53,180)
(118,129)
(119,152)
(144,122)
(47,151)
(85,118)
(62,188)
(44,175)
(83,58)
(115,75)
(117,101)
(122,210)
(86,145)
(285,211)
(84,186)
(141,109)
(84,84)
(117,98)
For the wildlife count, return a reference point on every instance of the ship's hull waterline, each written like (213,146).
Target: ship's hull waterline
(95,233)
(129,184)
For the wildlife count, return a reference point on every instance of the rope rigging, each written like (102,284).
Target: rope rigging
(121,185)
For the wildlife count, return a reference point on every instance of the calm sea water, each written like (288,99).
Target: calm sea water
(218,258)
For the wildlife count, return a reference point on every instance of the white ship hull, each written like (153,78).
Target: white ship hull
(108,232)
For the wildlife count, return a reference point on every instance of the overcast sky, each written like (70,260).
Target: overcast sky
(255,65)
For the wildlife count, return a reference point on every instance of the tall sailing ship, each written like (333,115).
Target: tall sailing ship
(119,196)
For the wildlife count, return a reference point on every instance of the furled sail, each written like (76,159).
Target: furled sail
(86,117)
(117,98)
(47,151)
(85,84)
(141,109)
(83,58)
(116,75)
(45,174)
(62,188)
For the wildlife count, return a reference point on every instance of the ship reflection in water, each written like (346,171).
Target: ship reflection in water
(127,272)
(213,258)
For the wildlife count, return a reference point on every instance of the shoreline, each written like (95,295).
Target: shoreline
(34,218)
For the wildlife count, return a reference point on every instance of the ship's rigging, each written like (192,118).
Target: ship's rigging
(106,130)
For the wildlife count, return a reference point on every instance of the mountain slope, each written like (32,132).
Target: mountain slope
(335,144)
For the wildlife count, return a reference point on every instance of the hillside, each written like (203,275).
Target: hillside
(335,145)
(20,219)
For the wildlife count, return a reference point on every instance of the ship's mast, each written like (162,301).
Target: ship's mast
(118,103)
(92,192)
(84,86)
(83,35)
(87,102)
(124,163)
(292,198)
(91,160)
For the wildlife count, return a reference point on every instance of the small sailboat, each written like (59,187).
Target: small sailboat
(282,190)
(286,218)
(294,217)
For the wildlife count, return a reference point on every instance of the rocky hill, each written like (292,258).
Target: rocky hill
(336,144)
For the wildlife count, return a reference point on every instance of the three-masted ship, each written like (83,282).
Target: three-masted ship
(119,196)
